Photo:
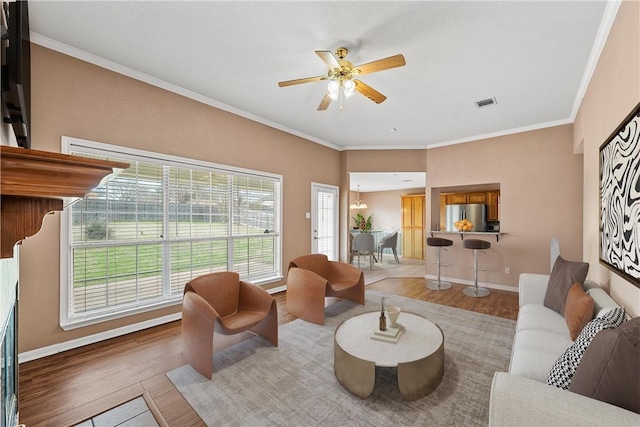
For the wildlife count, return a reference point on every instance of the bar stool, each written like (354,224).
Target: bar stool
(438,242)
(476,245)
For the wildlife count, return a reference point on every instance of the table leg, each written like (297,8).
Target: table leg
(357,376)
(419,378)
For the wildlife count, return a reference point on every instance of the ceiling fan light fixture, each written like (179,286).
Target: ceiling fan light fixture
(349,88)
(334,89)
(349,85)
(341,88)
(341,75)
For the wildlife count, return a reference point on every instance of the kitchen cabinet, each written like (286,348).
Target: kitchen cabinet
(443,212)
(477,198)
(457,199)
(489,198)
(493,205)
(413,231)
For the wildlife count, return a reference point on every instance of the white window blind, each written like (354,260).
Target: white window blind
(325,203)
(135,241)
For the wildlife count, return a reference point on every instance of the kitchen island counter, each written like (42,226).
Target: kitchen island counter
(466,233)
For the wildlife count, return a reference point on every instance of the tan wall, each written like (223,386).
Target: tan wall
(74,98)
(540,194)
(613,92)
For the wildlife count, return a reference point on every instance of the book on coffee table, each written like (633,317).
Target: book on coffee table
(390,335)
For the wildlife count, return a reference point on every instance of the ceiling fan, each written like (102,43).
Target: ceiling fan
(342,76)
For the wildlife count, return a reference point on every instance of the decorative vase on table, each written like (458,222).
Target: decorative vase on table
(383,320)
(393,313)
(363,224)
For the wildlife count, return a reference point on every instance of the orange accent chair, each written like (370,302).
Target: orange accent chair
(311,278)
(223,302)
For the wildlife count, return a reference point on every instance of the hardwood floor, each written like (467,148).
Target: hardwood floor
(67,388)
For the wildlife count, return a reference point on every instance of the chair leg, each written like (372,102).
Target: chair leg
(475,291)
(197,342)
(438,285)
(268,328)
(395,254)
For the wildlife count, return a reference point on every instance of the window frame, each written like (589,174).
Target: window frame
(71,144)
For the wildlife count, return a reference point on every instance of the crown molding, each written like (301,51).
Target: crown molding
(82,55)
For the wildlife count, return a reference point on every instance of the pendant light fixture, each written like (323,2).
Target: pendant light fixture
(358,204)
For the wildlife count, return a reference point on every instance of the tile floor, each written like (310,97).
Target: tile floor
(133,413)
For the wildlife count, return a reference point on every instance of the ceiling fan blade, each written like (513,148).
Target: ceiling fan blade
(300,81)
(324,104)
(329,58)
(381,64)
(369,92)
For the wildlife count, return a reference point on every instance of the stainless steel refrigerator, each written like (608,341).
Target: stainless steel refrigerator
(476,213)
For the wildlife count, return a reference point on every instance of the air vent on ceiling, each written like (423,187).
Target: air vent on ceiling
(486,102)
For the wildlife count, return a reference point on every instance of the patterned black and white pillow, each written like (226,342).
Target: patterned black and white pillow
(566,365)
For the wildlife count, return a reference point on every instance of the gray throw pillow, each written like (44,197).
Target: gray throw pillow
(610,368)
(563,275)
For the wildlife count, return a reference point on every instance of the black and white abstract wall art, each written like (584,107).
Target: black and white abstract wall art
(620,199)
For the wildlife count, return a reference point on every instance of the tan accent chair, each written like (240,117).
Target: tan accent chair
(223,302)
(311,278)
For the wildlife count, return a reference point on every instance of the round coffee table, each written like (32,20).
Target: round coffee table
(418,355)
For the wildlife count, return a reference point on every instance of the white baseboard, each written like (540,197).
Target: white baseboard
(91,339)
(281,288)
(471,283)
(38,353)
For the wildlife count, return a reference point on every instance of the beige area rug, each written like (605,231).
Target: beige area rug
(294,384)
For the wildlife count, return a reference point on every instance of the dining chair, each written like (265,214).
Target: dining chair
(390,242)
(363,244)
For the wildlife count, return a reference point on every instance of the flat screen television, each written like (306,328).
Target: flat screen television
(16,71)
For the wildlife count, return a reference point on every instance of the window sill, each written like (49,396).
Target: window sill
(80,322)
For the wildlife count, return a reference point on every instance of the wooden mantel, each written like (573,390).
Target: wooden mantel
(33,183)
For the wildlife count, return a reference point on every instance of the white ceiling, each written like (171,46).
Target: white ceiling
(534,57)
(531,56)
(386,181)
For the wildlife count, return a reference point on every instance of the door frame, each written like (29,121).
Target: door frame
(315,187)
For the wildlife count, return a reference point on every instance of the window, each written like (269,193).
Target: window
(133,243)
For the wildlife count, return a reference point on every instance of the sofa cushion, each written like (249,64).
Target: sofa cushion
(540,318)
(563,276)
(549,342)
(565,367)
(602,300)
(578,310)
(532,364)
(610,368)
(517,401)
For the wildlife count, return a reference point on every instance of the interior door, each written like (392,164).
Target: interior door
(324,220)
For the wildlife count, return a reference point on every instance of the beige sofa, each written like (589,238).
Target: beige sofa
(521,397)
